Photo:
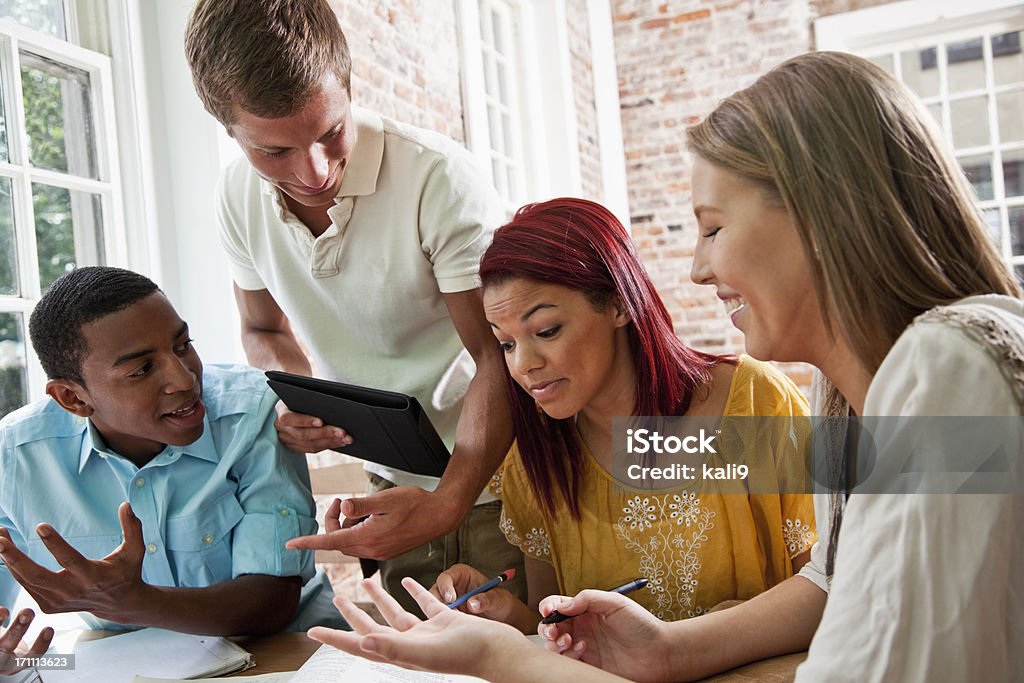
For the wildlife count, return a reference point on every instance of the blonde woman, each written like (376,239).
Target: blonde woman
(839,231)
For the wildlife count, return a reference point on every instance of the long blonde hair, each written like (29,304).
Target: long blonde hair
(885,215)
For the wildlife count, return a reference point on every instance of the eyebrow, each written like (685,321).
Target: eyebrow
(700,208)
(529,313)
(337,127)
(124,358)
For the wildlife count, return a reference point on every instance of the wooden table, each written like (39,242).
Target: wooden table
(289,651)
(279,652)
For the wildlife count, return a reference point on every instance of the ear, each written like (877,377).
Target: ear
(622,317)
(70,395)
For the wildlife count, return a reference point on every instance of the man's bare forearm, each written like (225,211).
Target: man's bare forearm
(248,605)
(273,350)
(482,438)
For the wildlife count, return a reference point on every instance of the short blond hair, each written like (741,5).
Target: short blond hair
(266,57)
(885,215)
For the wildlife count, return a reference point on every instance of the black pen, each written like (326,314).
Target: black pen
(634,585)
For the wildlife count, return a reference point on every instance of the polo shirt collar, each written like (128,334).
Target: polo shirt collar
(364,162)
(203,448)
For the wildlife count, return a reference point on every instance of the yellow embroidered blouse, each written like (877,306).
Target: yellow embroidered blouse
(696,549)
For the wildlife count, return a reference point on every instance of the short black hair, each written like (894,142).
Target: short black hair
(73,300)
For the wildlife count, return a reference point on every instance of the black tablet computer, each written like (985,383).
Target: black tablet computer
(387,427)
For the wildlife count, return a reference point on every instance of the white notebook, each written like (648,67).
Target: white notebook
(151,652)
(328,665)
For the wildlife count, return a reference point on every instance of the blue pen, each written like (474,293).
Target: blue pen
(634,585)
(506,575)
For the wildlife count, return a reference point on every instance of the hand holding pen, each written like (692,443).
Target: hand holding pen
(506,575)
(556,617)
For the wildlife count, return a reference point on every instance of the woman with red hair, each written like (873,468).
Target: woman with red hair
(586,338)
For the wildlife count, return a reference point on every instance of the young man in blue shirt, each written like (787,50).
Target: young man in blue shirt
(147,490)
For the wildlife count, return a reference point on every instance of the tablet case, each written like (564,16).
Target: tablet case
(387,427)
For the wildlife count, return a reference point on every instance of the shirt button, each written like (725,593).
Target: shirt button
(151,548)
(140,482)
(285,512)
(207,539)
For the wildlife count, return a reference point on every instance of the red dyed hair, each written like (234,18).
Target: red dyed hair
(581,245)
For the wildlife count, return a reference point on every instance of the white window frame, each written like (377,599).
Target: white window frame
(13,38)
(918,24)
(547,130)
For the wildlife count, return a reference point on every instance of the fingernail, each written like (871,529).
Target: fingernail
(449,597)
(43,532)
(22,619)
(368,645)
(474,605)
(318,422)
(339,433)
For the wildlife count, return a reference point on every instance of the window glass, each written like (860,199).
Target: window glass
(68,230)
(8,247)
(45,16)
(58,116)
(13,380)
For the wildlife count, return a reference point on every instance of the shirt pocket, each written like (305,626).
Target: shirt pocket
(91,547)
(199,544)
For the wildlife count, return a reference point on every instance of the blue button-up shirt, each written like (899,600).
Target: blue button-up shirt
(216,509)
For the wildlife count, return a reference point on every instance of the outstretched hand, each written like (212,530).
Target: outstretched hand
(449,641)
(11,646)
(397,520)
(103,587)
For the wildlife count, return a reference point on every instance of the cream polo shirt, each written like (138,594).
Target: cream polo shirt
(411,220)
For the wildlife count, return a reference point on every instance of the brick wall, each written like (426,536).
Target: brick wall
(676,59)
(583,95)
(405,60)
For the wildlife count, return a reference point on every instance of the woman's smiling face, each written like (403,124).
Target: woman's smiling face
(562,350)
(749,250)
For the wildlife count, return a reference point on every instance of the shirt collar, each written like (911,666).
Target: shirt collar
(203,448)
(363,164)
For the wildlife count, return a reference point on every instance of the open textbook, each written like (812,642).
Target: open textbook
(328,665)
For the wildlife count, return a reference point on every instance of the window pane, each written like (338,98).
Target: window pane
(68,230)
(920,72)
(1013,173)
(1019,270)
(965,66)
(13,379)
(995,230)
(884,61)
(4,153)
(58,116)
(969,119)
(45,16)
(1010,110)
(978,170)
(8,248)
(499,33)
(1007,59)
(1015,214)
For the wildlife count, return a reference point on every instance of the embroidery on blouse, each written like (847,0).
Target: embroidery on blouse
(536,542)
(989,331)
(495,485)
(667,531)
(797,536)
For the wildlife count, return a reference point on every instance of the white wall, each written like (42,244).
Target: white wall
(187,150)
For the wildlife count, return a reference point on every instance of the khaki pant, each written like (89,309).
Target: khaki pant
(478,542)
